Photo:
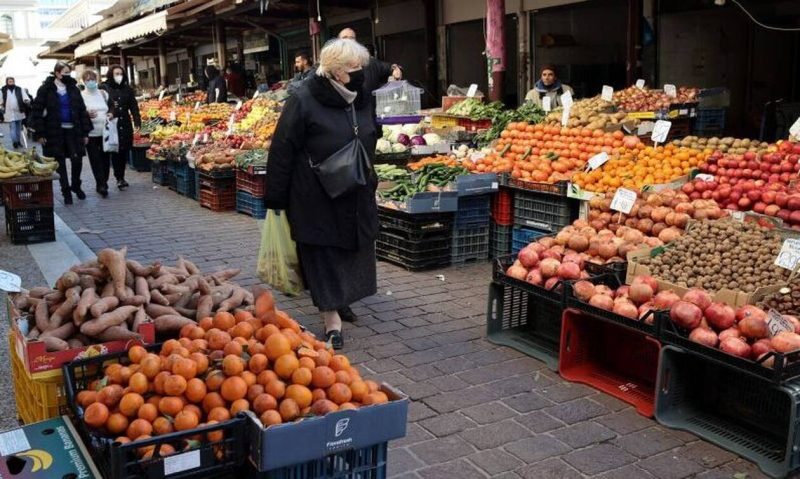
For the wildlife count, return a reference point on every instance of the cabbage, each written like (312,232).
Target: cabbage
(383,146)
(403,139)
(432,138)
(417,140)
(398,148)
(390,132)
(410,129)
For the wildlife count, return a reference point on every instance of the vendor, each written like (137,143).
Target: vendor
(548,85)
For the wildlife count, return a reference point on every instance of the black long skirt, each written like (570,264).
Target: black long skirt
(338,277)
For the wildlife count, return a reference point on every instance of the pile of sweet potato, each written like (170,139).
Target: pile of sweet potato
(108,298)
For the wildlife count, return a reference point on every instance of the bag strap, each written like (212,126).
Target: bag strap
(354,123)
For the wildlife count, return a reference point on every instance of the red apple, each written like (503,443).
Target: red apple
(754,195)
(781,199)
(759,207)
(745,203)
(772,210)
(784,214)
(793,203)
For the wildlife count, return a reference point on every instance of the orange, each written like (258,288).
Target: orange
(323,377)
(195,390)
(163,451)
(151,365)
(96,415)
(346,406)
(239,405)
(214,380)
(216,435)
(323,407)
(318,394)
(339,393)
(174,385)
(249,378)
(170,346)
(234,347)
(359,389)
(301,376)
(139,427)
(258,363)
(170,405)
(343,376)
(270,418)
(130,403)
(138,383)
(276,346)
(242,330)
(148,412)
(162,426)
(136,353)
(323,357)
(185,367)
(185,420)
(110,395)
(263,403)
(300,394)
(86,397)
(159,380)
(117,423)
(194,410)
(293,337)
(285,365)
(206,323)
(264,377)
(220,414)
(201,362)
(265,332)
(211,401)
(232,365)
(242,315)
(224,321)
(276,388)
(375,398)
(217,339)
(373,386)
(233,388)
(308,363)
(289,410)
(254,391)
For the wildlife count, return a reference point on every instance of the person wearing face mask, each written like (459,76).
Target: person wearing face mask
(61,124)
(335,237)
(96,101)
(14,105)
(217,91)
(123,106)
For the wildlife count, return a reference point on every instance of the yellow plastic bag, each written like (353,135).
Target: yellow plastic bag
(278,265)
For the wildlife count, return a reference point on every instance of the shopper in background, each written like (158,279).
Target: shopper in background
(335,237)
(60,123)
(302,67)
(96,101)
(123,106)
(548,85)
(14,105)
(216,90)
(377,72)
(234,81)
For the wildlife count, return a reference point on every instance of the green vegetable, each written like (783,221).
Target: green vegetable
(247,158)
(476,109)
(436,174)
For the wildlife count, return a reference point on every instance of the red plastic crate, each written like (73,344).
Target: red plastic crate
(619,361)
(218,200)
(503,207)
(474,125)
(254,184)
(34,194)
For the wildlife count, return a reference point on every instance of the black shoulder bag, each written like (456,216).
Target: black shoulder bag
(346,169)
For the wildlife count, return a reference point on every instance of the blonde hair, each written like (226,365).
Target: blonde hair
(339,54)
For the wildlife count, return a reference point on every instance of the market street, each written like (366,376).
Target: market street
(478,410)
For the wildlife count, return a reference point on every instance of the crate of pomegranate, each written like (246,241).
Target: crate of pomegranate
(718,269)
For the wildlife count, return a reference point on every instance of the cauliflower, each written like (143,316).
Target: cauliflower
(432,138)
(410,129)
(398,148)
(383,146)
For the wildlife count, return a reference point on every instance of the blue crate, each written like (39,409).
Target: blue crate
(250,205)
(473,211)
(137,159)
(186,183)
(522,237)
(160,173)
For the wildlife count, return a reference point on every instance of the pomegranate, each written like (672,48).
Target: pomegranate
(517,272)
(549,267)
(551,283)
(698,297)
(602,301)
(584,290)
(640,292)
(704,336)
(753,328)
(735,346)
(623,290)
(760,347)
(550,253)
(534,277)
(750,311)
(626,308)
(665,299)
(786,342)
(730,333)
(603,289)
(528,257)
(685,314)
(648,280)
(568,271)
(720,316)
(644,310)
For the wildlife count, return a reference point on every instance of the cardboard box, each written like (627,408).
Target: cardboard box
(47,449)
(442,148)
(473,185)
(37,359)
(426,202)
(724,295)
(316,437)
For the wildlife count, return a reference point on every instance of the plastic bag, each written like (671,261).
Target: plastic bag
(111,136)
(278,265)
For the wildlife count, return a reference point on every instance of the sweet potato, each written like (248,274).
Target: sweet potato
(233,302)
(33,334)
(173,298)
(114,262)
(130,278)
(64,311)
(204,306)
(42,316)
(88,298)
(203,287)
(55,344)
(141,289)
(156,310)
(221,293)
(67,281)
(138,318)
(158,298)
(21,301)
(88,282)
(190,267)
(248,297)
(118,333)
(226,274)
(65,331)
(108,291)
(103,305)
(39,292)
(189,313)
(184,300)
(171,322)
(172,289)
(92,271)
(136,268)
(162,280)
(75,343)
(113,318)
(133,300)
(54,297)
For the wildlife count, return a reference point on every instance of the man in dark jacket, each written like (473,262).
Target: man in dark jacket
(217,91)
(61,124)
(14,105)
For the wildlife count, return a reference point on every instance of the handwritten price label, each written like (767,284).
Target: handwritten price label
(789,255)
(597,160)
(640,84)
(10,282)
(660,131)
(196,139)
(565,116)
(547,104)
(255,95)
(173,115)
(196,105)
(623,200)
(704,177)
(161,95)
(566,99)
(794,130)
(205,137)
(472,90)
(670,90)
(607,94)
(238,105)
(776,323)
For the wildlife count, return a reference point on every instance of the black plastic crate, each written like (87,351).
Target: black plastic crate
(414,250)
(219,173)
(250,205)
(544,212)
(646,324)
(526,322)
(137,158)
(367,463)
(414,225)
(499,240)
(555,189)
(30,225)
(473,211)
(185,181)
(785,367)
(736,411)
(160,173)
(172,177)
(470,244)
(121,461)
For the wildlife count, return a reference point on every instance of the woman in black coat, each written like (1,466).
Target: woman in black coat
(217,90)
(123,106)
(62,125)
(335,237)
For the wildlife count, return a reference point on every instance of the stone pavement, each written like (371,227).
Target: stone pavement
(477,410)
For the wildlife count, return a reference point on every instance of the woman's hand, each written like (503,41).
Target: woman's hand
(42,141)
(110,116)
(92,114)
(86,141)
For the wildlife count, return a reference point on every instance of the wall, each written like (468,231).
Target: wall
(455,11)
(400,17)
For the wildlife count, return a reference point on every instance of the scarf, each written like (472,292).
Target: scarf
(347,95)
(540,86)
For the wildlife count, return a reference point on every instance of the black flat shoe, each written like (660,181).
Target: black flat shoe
(335,338)
(347,314)
(68,199)
(103,191)
(122,184)
(79,193)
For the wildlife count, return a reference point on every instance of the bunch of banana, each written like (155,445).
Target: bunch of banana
(12,164)
(42,165)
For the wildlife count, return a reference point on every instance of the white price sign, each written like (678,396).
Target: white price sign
(230,125)
(794,130)
(566,99)
(173,115)
(10,282)
(776,323)
(255,95)
(547,104)
(660,131)
(623,200)
(472,90)
(181,462)
(597,160)
(670,90)
(640,84)
(205,137)
(178,97)
(565,116)
(608,93)
(704,177)
(478,155)
(789,255)
(239,105)
(216,95)
(161,95)
(196,139)
(196,105)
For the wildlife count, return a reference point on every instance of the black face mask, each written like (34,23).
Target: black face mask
(356,80)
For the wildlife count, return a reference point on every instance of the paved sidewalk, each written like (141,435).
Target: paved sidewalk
(478,410)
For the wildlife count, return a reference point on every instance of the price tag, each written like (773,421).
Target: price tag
(230,125)
(216,94)
(565,116)
(181,462)
(597,160)
(478,155)
(608,93)
(640,84)
(472,90)
(173,115)
(205,137)
(623,200)
(10,282)
(789,255)
(776,323)
(660,131)
(670,90)
(255,95)
(196,105)
(161,95)
(13,441)
(24,137)
(238,105)
(196,139)
(704,177)
(178,97)
(188,117)
(794,130)
(566,99)
(547,104)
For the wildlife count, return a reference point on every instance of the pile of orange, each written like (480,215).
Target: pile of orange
(227,364)
(548,154)
(634,169)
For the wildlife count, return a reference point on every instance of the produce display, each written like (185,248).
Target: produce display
(391,172)
(431,177)
(634,301)
(721,254)
(723,145)
(14,164)
(476,109)
(785,301)
(400,138)
(256,157)
(592,113)
(644,99)
(434,160)
(604,246)
(547,261)
(528,112)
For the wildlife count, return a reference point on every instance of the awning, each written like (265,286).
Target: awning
(89,48)
(154,23)
(5,43)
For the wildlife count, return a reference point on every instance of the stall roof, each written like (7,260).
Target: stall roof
(6,43)
(155,23)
